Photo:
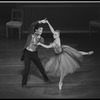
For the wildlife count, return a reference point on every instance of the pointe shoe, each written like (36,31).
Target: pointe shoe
(60,85)
(91,52)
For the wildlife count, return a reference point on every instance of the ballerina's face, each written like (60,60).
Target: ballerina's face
(56,35)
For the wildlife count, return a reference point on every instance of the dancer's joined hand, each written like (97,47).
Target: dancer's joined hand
(46,21)
(38,43)
(91,52)
(43,21)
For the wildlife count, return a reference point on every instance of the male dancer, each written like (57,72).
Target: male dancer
(30,51)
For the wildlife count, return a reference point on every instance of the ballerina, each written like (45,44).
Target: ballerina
(66,59)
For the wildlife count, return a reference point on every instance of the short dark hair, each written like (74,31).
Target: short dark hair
(58,31)
(32,28)
(37,26)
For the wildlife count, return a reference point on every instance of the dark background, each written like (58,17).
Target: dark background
(73,21)
(64,16)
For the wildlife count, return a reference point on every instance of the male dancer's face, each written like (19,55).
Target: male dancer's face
(40,30)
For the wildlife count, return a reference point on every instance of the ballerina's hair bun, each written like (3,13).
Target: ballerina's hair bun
(58,31)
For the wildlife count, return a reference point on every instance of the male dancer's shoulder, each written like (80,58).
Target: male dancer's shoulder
(29,37)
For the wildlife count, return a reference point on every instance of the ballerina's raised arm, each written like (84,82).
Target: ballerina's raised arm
(51,28)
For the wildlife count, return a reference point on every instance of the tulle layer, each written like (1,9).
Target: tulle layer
(64,63)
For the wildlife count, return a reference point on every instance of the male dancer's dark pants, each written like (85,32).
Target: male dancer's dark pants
(28,56)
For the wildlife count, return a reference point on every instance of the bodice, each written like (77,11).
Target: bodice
(57,48)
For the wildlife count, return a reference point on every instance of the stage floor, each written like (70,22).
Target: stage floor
(84,83)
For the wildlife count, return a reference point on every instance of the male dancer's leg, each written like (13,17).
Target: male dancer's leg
(26,69)
(39,65)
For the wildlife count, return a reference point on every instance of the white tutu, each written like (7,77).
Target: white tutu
(63,63)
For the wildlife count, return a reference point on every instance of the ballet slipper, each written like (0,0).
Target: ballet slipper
(91,52)
(60,85)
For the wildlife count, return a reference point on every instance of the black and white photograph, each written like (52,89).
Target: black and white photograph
(49,49)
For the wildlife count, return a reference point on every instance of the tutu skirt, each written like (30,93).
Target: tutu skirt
(64,63)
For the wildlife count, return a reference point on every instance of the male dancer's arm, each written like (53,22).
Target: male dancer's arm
(45,46)
(37,22)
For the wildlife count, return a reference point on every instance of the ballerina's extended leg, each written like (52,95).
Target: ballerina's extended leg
(86,53)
